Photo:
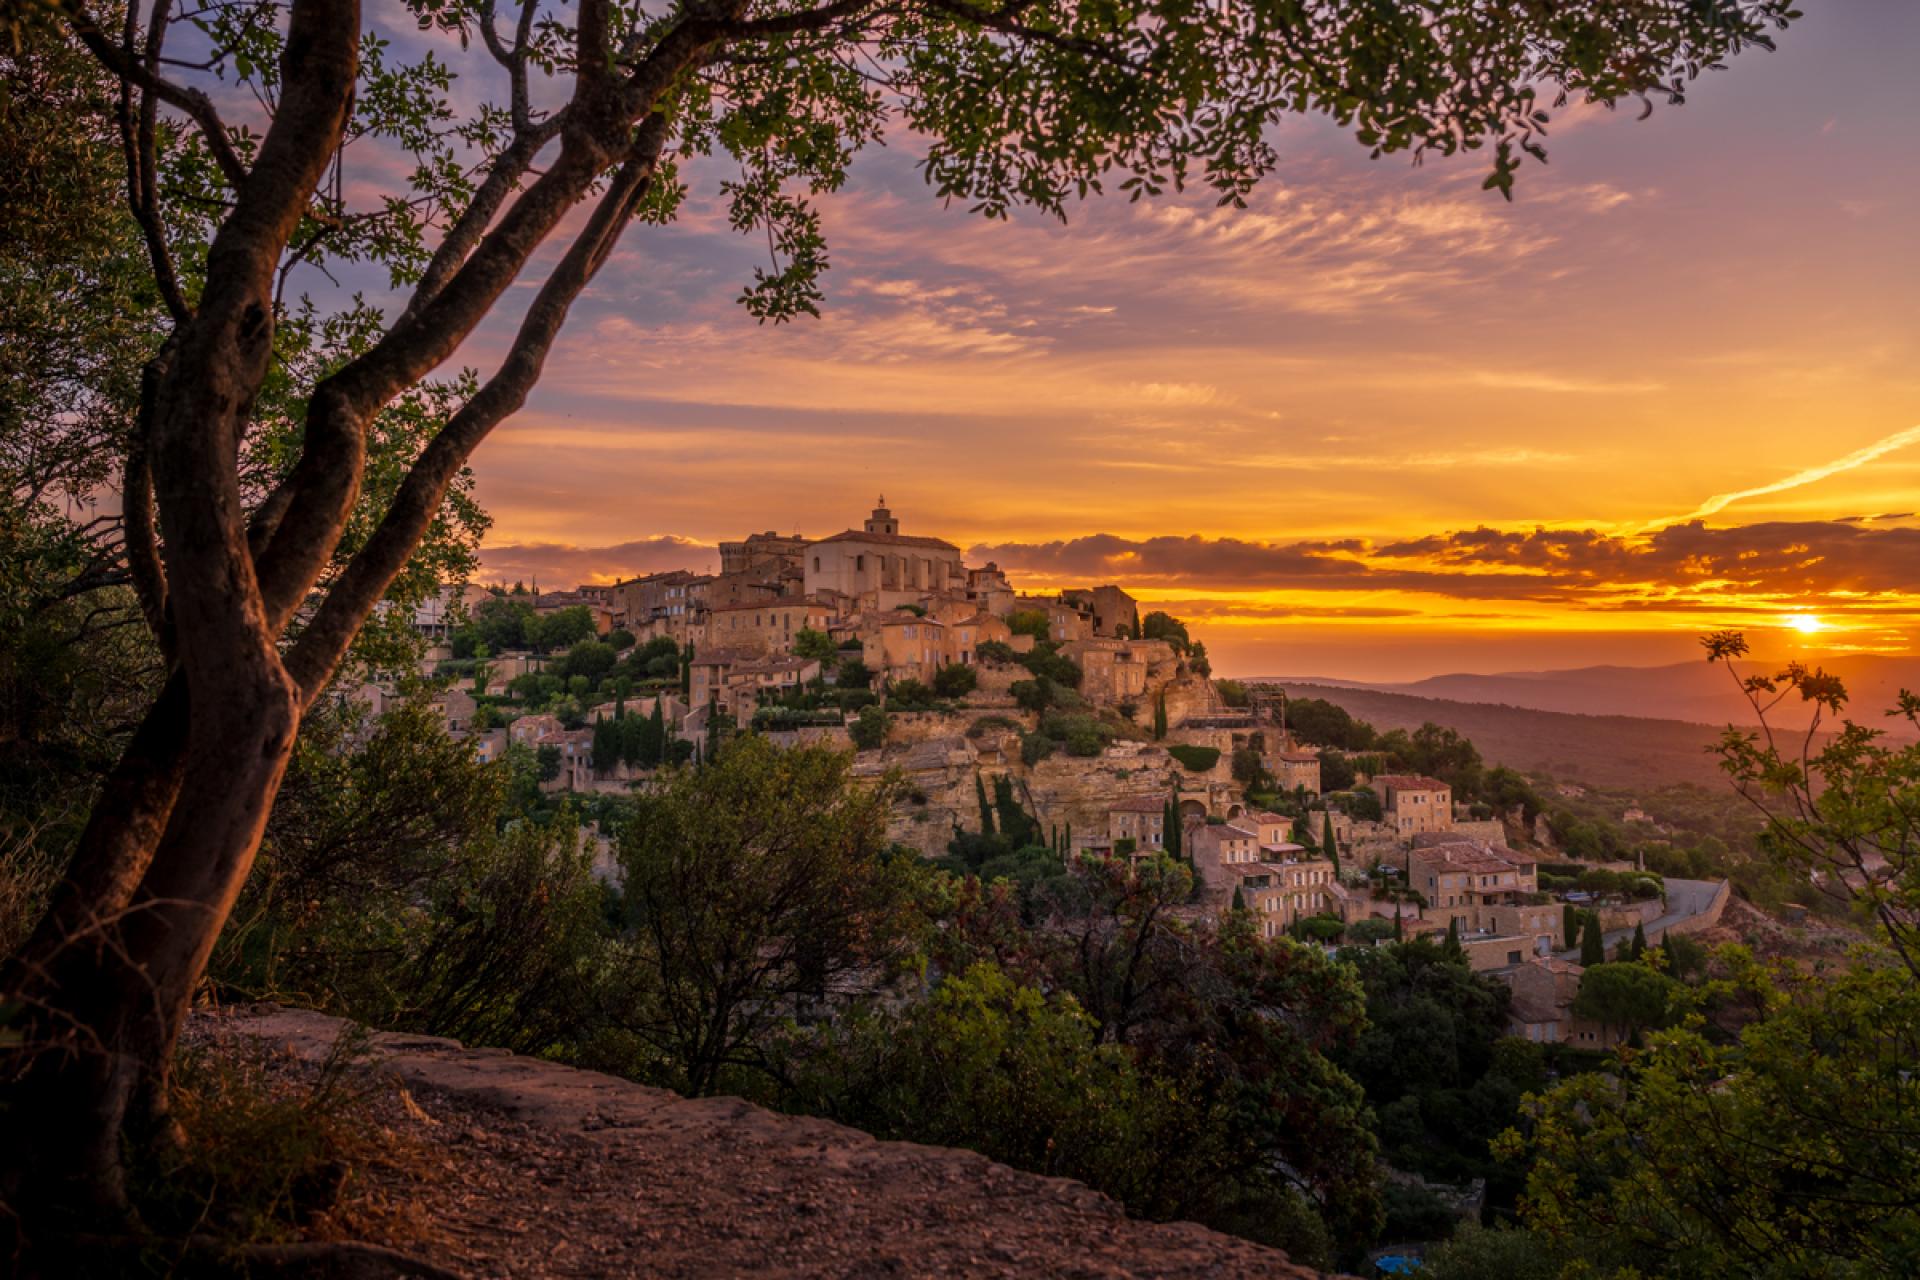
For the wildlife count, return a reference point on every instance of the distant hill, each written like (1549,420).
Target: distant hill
(1689,691)
(1634,752)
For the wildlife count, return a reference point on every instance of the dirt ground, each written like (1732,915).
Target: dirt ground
(519,1168)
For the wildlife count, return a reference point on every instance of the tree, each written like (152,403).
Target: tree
(1029,622)
(1159,715)
(1033,695)
(1625,996)
(1329,846)
(1785,1150)
(818,645)
(854,674)
(754,881)
(869,728)
(1453,948)
(1839,805)
(1160,625)
(1639,947)
(986,810)
(954,680)
(1593,943)
(1016,108)
(1198,660)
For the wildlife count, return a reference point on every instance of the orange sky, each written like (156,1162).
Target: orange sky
(1380,424)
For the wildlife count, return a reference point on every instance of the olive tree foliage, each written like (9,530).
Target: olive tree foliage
(1786,1151)
(1842,806)
(594,107)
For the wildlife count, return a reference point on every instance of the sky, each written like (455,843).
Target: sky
(1378,425)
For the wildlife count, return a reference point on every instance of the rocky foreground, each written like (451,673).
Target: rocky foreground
(551,1171)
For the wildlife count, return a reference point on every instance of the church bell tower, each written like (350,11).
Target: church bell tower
(882,521)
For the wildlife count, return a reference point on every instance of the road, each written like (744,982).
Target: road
(1685,898)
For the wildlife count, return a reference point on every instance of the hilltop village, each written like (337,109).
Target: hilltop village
(1100,728)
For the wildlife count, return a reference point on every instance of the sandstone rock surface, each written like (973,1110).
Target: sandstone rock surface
(558,1172)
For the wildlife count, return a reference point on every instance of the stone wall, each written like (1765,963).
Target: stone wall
(1706,919)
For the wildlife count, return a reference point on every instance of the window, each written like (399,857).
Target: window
(816,564)
(859,563)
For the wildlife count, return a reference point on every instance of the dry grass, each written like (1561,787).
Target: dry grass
(273,1152)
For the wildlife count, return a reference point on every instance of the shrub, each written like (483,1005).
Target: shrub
(1193,758)
(1085,740)
(954,680)
(1035,747)
(1034,695)
(1028,622)
(991,724)
(995,651)
(869,728)
(910,695)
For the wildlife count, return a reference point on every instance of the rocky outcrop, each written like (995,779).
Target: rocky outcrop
(549,1171)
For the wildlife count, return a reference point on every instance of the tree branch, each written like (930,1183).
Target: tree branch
(313,658)
(197,106)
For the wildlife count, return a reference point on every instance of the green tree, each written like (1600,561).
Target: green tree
(954,680)
(1593,943)
(1783,1151)
(1329,846)
(755,881)
(1639,947)
(1029,622)
(1160,625)
(1839,804)
(1159,715)
(869,728)
(817,645)
(1626,996)
(986,810)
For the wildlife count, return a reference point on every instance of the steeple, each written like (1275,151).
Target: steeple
(882,521)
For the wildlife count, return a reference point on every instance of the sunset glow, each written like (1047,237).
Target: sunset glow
(1379,423)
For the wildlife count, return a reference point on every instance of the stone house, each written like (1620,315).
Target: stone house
(1542,1006)
(1296,769)
(1141,819)
(765,627)
(1414,803)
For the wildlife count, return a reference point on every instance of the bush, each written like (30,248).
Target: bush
(1028,622)
(991,724)
(954,680)
(1035,747)
(996,651)
(1034,695)
(1319,928)
(910,695)
(1085,740)
(1194,759)
(869,728)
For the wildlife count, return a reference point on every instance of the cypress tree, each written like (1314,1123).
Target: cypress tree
(1239,902)
(1066,840)
(653,745)
(986,809)
(1639,941)
(1330,846)
(686,671)
(1160,715)
(1593,945)
(1454,950)
(1570,925)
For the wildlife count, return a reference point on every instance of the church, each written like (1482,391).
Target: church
(881,566)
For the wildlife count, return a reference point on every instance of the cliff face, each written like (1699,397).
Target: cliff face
(546,1171)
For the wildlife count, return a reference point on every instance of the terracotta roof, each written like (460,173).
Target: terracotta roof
(1139,804)
(889,540)
(1465,857)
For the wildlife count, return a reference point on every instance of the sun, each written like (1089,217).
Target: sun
(1806,623)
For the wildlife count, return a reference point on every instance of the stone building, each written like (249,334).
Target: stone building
(1413,804)
(880,566)
(765,627)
